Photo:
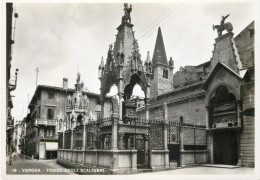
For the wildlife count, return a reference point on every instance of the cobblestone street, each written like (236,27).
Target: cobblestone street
(21,166)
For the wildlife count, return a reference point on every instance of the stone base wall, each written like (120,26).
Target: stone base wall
(159,159)
(189,157)
(114,160)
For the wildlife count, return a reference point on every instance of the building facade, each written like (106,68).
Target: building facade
(17,136)
(11,81)
(218,93)
(51,112)
(200,114)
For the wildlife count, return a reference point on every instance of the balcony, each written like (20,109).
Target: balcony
(13,81)
(46,122)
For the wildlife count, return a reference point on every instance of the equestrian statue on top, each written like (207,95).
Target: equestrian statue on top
(127,11)
(223,26)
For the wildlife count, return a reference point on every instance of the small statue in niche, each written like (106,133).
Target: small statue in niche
(75,102)
(85,101)
(69,100)
(78,78)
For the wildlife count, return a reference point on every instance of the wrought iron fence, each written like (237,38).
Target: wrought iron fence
(78,137)
(67,139)
(140,134)
(156,130)
(60,143)
(173,139)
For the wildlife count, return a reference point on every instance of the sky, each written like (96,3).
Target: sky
(62,39)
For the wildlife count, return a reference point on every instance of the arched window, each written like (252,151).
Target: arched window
(222,108)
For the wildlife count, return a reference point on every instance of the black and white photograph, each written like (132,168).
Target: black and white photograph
(129,89)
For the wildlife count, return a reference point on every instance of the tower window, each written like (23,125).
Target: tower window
(252,32)
(50,114)
(51,95)
(165,73)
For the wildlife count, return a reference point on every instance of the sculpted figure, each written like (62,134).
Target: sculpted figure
(85,101)
(127,11)
(69,100)
(223,26)
(78,78)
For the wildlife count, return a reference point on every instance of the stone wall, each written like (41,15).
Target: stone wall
(248,131)
(95,108)
(115,161)
(58,103)
(224,52)
(159,84)
(194,137)
(245,45)
(192,109)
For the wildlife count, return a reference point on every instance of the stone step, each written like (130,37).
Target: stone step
(220,166)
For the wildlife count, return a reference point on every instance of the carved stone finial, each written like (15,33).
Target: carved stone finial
(102,62)
(223,26)
(171,62)
(148,59)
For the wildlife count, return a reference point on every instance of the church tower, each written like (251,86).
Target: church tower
(162,79)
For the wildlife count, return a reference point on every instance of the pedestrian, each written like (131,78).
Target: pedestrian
(11,157)
(14,154)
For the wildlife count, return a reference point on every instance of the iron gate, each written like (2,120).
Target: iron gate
(174,143)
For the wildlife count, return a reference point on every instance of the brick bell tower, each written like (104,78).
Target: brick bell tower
(162,79)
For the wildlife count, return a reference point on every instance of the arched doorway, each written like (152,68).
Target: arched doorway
(134,95)
(223,121)
(79,120)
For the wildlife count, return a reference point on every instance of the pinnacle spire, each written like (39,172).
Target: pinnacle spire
(148,59)
(159,54)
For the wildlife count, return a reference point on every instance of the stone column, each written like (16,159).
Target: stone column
(147,109)
(181,141)
(102,111)
(84,137)
(165,137)
(146,148)
(211,146)
(63,139)
(181,135)
(239,154)
(84,144)
(120,106)
(238,104)
(71,143)
(115,120)
(207,117)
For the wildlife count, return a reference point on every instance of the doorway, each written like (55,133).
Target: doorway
(225,147)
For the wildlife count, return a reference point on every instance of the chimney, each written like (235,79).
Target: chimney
(65,83)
